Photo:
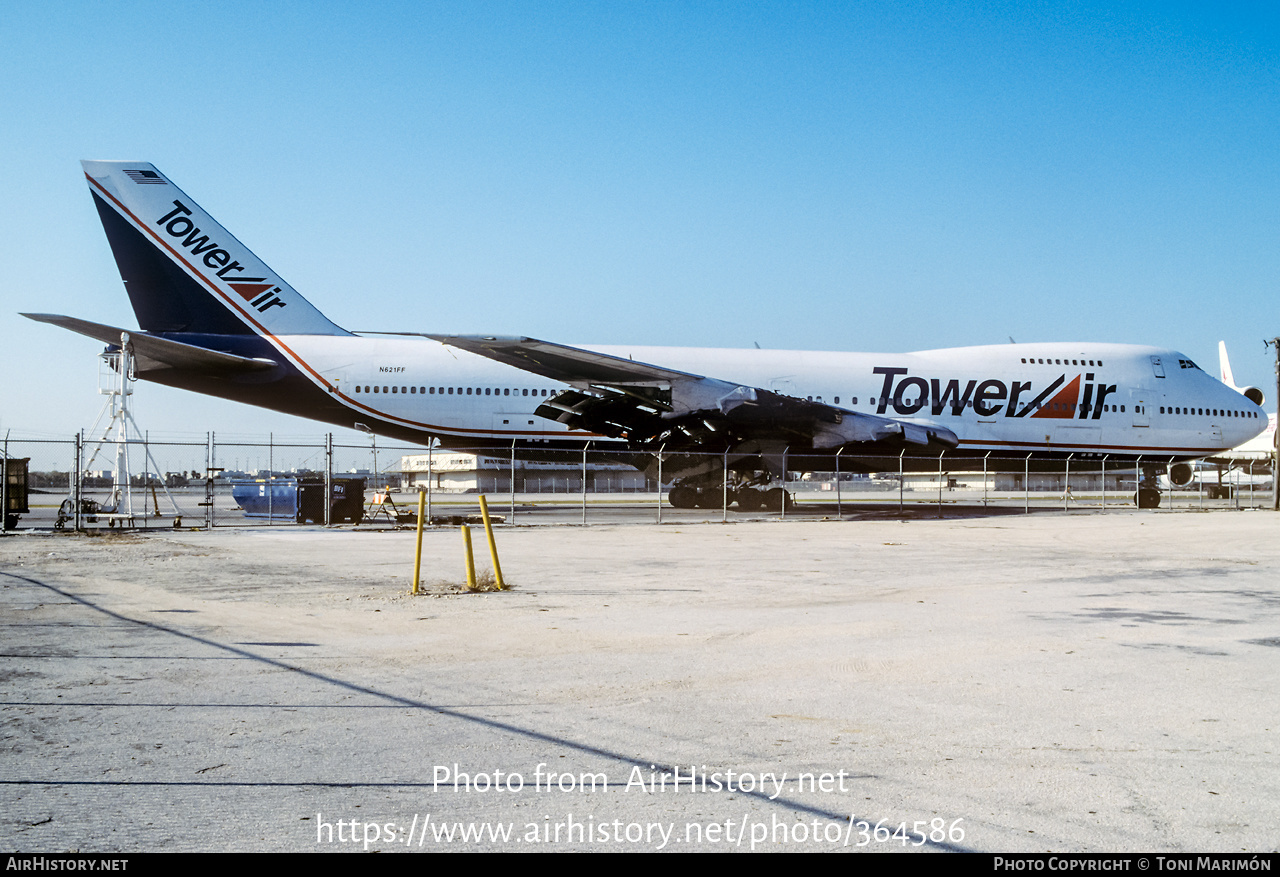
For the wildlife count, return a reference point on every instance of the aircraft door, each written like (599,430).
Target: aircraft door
(338,382)
(513,416)
(1138,400)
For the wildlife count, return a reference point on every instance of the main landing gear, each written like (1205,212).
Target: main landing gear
(747,499)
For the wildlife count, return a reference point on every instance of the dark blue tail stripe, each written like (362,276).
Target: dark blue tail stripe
(164,297)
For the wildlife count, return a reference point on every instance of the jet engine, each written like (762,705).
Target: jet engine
(1181,474)
(1254,395)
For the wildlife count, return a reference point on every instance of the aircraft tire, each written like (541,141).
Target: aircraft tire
(750,500)
(682,497)
(1148,498)
(708,499)
(774,499)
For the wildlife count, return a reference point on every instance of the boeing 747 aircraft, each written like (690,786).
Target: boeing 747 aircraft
(215,319)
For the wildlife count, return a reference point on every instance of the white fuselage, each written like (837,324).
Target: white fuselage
(1086,399)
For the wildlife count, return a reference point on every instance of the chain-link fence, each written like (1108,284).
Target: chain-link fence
(269,482)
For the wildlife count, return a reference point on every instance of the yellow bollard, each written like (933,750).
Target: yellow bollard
(417,554)
(493,546)
(471,563)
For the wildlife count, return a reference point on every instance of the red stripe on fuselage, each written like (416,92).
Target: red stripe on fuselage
(1047,446)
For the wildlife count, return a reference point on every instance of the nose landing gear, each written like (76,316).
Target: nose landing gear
(1148,495)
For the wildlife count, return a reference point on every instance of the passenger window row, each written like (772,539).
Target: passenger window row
(1212,412)
(450,391)
(1089,362)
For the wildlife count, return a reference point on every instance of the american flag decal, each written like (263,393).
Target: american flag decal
(145,177)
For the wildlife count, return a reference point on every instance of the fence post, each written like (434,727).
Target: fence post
(271,476)
(1066,483)
(584,483)
(328,477)
(984,480)
(900,481)
(146,477)
(940,484)
(513,481)
(4,486)
(75,490)
(1104,481)
(660,451)
(839,505)
(209,459)
(724,490)
(784,481)
(1026,485)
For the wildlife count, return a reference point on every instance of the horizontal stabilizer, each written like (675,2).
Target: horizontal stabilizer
(156,353)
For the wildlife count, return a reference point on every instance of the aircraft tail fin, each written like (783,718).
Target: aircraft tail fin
(1224,366)
(183,271)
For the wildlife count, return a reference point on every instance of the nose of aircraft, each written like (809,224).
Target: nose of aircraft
(1241,419)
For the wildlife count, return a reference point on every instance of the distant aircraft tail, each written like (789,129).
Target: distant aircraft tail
(183,271)
(1253,394)
(1224,366)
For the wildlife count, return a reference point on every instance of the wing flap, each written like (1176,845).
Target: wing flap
(769,417)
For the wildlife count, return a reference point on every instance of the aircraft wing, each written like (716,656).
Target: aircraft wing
(560,362)
(153,353)
(651,405)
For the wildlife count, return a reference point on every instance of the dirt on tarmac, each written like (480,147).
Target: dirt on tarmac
(1014,683)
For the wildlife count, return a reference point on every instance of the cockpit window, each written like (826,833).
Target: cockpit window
(1186,363)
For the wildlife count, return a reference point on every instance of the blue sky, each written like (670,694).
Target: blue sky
(873,176)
